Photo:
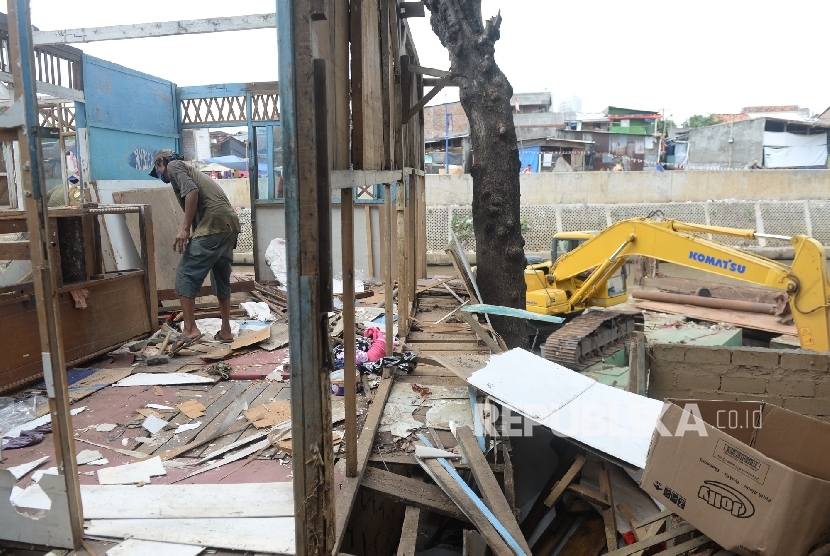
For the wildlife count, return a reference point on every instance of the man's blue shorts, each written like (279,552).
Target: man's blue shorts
(211,253)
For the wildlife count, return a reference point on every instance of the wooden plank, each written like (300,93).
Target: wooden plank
(409,532)
(656,517)
(184,438)
(685,547)
(14,250)
(452,346)
(509,480)
(67,530)
(370,255)
(168,221)
(148,257)
(488,486)
(348,314)
(587,540)
(155,29)
(387,267)
(440,84)
(562,484)
(589,494)
(348,490)
(412,492)
(404,278)
(655,540)
(49,89)
(755,321)
(637,365)
(350,179)
(463,501)
(608,515)
(553,533)
(482,334)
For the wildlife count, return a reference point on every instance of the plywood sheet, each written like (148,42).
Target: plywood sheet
(168,218)
(188,501)
(610,420)
(272,535)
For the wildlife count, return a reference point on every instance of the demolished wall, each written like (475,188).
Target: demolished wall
(797,380)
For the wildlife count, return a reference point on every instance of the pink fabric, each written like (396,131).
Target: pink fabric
(378,349)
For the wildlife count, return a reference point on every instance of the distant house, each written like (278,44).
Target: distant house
(446,123)
(531,103)
(788,112)
(772,142)
(825,116)
(224,144)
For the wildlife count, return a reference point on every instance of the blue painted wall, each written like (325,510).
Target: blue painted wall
(129,116)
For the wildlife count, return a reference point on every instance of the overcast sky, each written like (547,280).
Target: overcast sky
(687,58)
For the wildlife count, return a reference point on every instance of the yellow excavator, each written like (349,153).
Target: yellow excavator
(587,270)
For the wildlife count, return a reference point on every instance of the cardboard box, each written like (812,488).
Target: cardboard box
(753,477)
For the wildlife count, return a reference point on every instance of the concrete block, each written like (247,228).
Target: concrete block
(804,360)
(809,406)
(788,386)
(755,357)
(708,355)
(744,385)
(661,380)
(668,352)
(823,388)
(707,395)
(699,382)
(669,394)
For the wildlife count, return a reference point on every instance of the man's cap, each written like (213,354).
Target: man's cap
(163,153)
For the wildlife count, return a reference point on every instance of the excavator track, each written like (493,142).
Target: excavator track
(590,337)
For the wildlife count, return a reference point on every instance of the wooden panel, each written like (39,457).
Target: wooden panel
(168,218)
(367,150)
(116,311)
(14,251)
(411,492)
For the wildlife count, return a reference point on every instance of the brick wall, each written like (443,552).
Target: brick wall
(794,379)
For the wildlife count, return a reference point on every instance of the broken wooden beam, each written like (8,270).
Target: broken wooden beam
(465,501)
(562,484)
(608,515)
(412,492)
(409,532)
(655,540)
(488,486)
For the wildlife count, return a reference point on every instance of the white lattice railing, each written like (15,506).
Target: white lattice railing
(543,221)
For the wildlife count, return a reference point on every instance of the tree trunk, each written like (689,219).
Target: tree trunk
(486,98)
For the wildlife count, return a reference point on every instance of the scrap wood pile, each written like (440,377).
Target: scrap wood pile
(272,296)
(634,491)
(186,431)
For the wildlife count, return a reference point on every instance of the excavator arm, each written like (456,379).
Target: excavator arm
(806,281)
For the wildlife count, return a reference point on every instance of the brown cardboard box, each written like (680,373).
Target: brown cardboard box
(757,482)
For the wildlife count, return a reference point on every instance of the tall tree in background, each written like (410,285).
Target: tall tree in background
(701,120)
(485,96)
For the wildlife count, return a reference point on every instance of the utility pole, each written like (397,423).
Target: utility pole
(446,136)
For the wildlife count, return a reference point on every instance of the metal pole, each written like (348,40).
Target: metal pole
(446,136)
(43,258)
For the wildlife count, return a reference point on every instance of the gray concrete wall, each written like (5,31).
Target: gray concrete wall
(710,145)
(270,224)
(794,379)
(645,187)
